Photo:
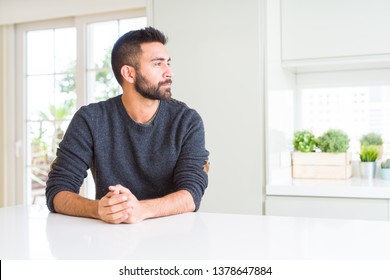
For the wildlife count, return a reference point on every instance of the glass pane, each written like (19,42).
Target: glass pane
(356,110)
(65,50)
(102,85)
(40,94)
(65,96)
(40,52)
(40,141)
(99,46)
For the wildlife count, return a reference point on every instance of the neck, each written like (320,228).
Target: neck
(140,109)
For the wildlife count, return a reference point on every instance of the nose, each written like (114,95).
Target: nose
(168,72)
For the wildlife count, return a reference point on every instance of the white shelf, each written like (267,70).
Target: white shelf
(351,188)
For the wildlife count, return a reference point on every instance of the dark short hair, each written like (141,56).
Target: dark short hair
(127,48)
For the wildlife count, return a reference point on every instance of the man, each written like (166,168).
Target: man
(146,151)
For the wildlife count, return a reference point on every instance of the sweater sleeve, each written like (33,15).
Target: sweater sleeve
(74,157)
(190,172)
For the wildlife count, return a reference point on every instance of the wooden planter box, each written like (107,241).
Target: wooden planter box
(321,165)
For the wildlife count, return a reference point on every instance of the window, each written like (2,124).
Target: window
(66,65)
(50,93)
(356,102)
(101,83)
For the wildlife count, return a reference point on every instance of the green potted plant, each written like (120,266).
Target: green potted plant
(385,170)
(324,157)
(333,141)
(372,139)
(304,141)
(368,156)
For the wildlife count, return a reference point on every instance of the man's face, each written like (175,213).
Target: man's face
(154,76)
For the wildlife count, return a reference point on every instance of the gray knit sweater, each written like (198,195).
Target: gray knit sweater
(152,161)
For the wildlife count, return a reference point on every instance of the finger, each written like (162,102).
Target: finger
(113,190)
(117,218)
(117,208)
(112,199)
(114,213)
(133,217)
(119,189)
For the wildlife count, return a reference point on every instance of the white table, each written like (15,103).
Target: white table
(31,232)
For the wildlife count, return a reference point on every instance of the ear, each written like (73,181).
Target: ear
(128,73)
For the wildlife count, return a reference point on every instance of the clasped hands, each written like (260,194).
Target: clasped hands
(119,205)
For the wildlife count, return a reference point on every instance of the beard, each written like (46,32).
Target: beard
(150,91)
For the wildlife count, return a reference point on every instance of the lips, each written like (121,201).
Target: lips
(166,83)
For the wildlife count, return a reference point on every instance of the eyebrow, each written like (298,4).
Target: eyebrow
(160,59)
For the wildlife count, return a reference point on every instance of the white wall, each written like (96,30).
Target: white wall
(2,121)
(18,11)
(7,115)
(280,96)
(217,57)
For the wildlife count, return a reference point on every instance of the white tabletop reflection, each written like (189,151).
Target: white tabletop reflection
(31,232)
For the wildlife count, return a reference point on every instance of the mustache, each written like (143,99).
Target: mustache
(167,81)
